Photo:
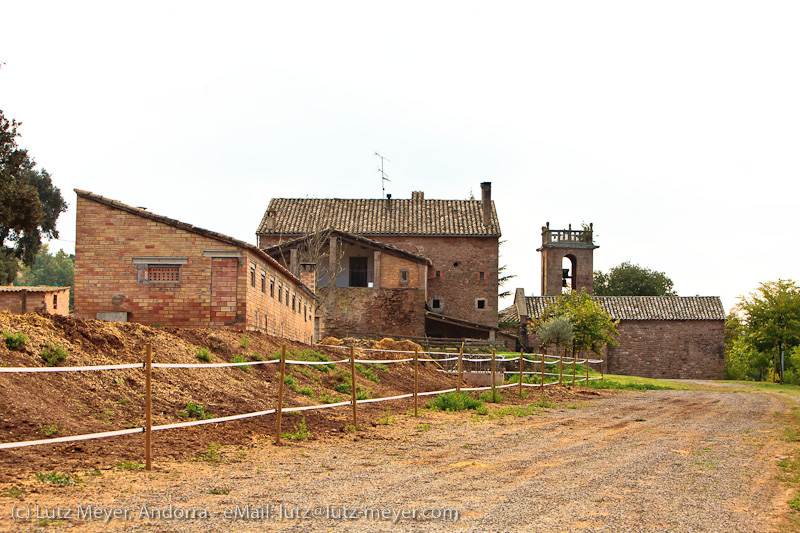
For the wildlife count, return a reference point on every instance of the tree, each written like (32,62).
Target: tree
(772,320)
(555,330)
(592,326)
(628,279)
(29,204)
(53,270)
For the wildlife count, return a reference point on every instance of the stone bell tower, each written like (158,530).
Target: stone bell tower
(577,247)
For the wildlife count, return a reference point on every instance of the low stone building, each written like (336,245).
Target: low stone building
(53,300)
(134,265)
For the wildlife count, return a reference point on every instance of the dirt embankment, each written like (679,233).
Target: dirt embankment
(74,403)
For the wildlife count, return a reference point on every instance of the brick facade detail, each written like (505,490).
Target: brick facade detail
(214,288)
(35,300)
(364,312)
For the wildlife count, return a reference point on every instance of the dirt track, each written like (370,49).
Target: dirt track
(654,461)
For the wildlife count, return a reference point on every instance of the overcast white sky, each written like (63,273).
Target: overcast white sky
(673,126)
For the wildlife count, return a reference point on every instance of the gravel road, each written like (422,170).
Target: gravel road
(632,461)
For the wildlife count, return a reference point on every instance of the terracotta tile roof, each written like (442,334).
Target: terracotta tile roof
(38,288)
(287,245)
(509,314)
(193,229)
(297,216)
(645,307)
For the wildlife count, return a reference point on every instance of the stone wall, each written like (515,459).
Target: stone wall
(363,312)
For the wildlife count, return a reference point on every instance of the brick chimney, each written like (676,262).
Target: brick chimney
(486,202)
(417,196)
(270,219)
(308,276)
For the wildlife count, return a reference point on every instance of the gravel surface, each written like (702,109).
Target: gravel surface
(652,461)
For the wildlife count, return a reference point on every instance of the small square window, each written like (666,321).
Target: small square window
(436,304)
(403,276)
(481,275)
(438,274)
(481,303)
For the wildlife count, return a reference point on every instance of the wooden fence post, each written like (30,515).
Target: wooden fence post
(520,373)
(561,366)
(460,358)
(542,385)
(602,374)
(353,385)
(148,407)
(574,365)
(416,381)
(280,396)
(494,369)
(587,370)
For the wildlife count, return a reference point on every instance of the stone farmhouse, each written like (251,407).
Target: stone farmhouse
(406,267)
(134,265)
(660,336)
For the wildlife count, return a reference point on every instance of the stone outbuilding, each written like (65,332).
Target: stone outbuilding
(52,300)
(134,265)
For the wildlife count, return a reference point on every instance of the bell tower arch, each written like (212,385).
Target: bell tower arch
(567,260)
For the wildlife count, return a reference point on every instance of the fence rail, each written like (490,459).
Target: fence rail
(435,357)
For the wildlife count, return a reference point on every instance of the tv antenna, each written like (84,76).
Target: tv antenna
(383,174)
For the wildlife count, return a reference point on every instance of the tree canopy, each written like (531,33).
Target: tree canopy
(629,279)
(29,204)
(772,320)
(592,327)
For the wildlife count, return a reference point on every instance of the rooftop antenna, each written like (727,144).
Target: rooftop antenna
(383,174)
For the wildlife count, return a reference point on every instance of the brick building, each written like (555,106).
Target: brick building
(660,336)
(453,244)
(53,300)
(134,265)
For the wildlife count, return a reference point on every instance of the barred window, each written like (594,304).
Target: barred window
(159,273)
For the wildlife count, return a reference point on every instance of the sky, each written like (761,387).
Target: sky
(673,127)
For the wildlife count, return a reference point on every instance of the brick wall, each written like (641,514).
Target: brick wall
(667,349)
(363,312)
(391,266)
(458,286)
(213,290)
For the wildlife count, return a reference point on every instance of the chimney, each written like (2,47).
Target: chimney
(270,219)
(486,202)
(417,196)
(308,275)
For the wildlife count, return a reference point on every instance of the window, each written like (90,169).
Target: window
(252,276)
(263,282)
(358,271)
(481,275)
(403,276)
(159,273)
(55,301)
(272,286)
(280,292)
(438,274)
(305,312)
(481,303)
(287,296)
(436,303)
(294,299)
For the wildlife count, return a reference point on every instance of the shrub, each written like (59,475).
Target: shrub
(306,391)
(49,430)
(53,355)
(195,410)
(15,340)
(326,397)
(244,341)
(203,355)
(240,359)
(454,402)
(368,372)
(55,478)
(489,398)
(300,432)
(290,381)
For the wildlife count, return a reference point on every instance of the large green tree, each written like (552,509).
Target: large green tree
(29,204)
(628,279)
(593,328)
(771,317)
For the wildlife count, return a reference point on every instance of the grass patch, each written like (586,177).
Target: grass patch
(422,428)
(53,354)
(48,429)
(15,340)
(219,492)
(240,359)
(300,432)
(488,397)
(386,418)
(326,397)
(244,341)
(130,465)
(55,478)
(195,410)
(13,492)
(211,455)
(622,385)
(203,355)
(516,410)
(290,381)
(306,391)
(368,372)
(454,402)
